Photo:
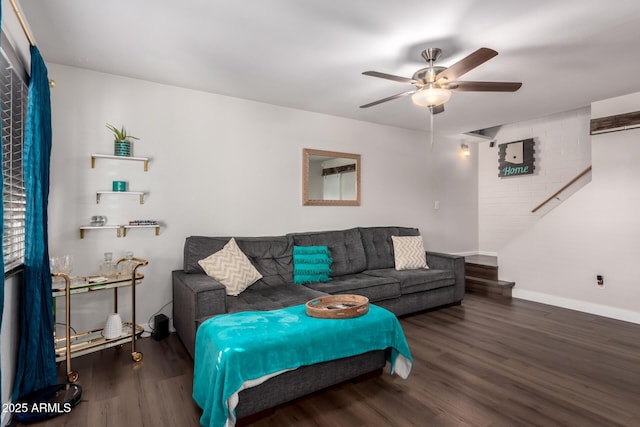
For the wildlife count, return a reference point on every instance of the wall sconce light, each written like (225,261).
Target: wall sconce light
(464,149)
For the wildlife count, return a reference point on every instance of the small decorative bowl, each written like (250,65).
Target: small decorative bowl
(98,220)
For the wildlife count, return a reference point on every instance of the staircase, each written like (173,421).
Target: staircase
(481,274)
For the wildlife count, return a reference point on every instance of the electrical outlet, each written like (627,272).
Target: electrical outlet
(436,204)
(600,281)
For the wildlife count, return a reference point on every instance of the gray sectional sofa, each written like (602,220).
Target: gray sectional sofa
(363,264)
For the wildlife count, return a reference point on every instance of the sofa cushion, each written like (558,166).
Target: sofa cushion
(409,253)
(271,293)
(231,267)
(420,280)
(378,246)
(269,255)
(345,246)
(374,288)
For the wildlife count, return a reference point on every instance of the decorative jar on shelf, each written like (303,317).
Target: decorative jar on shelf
(108,267)
(126,267)
(119,185)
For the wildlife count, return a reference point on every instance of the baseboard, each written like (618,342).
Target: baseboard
(586,307)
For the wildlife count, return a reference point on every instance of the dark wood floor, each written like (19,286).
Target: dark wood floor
(485,363)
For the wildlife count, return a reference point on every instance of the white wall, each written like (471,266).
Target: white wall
(226,166)
(562,151)
(594,232)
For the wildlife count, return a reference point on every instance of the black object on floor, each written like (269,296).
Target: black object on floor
(47,402)
(160,327)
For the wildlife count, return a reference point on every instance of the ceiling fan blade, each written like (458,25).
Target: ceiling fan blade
(467,64)
(483,86)
(389,98)
(390,77)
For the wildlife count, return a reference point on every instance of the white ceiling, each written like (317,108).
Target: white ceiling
(309,54)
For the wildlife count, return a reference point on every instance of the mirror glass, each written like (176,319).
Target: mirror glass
(330,178)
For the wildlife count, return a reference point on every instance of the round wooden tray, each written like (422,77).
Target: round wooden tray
(338,306)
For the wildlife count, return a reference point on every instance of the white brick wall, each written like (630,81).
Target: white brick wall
(562,151)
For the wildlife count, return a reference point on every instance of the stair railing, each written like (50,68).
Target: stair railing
(564,187)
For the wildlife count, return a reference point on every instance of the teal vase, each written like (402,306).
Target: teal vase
(122,148)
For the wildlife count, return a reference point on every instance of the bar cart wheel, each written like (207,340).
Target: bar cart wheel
(136,356)
(72,376)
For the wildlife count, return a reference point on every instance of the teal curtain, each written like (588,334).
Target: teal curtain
(36,355)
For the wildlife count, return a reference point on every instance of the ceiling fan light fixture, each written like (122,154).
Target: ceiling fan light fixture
(433,84)
(431,97)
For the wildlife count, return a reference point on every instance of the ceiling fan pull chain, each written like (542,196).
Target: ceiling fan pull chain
(431,125)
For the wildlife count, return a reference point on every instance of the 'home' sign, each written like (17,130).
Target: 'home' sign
(516,158)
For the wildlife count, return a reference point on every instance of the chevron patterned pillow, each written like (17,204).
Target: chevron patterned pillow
(409,252)
(231,267)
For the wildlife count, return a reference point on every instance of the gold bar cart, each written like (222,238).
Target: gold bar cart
(86,342)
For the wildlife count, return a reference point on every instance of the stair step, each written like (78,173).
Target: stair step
(490,282)
(486,260)
(481,271)
(489,287)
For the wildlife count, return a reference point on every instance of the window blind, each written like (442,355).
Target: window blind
(13,104)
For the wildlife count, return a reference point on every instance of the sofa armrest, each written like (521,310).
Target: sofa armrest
(195,297)
(442,261)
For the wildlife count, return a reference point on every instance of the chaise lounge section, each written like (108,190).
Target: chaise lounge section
(363,264)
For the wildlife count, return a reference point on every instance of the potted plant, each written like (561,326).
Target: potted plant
(121,141)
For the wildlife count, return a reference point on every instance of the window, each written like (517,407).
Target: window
(13,103)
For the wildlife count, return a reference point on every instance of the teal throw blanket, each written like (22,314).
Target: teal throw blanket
(241,350)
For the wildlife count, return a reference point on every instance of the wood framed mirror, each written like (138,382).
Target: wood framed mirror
(330,178)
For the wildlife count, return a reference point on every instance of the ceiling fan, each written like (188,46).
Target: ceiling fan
(433,85)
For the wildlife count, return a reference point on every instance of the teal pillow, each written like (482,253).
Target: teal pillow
(311,264)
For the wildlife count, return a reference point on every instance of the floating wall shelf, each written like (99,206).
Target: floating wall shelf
(135,193)
(95,156)
(121,230)
(129,227)
(100,227)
